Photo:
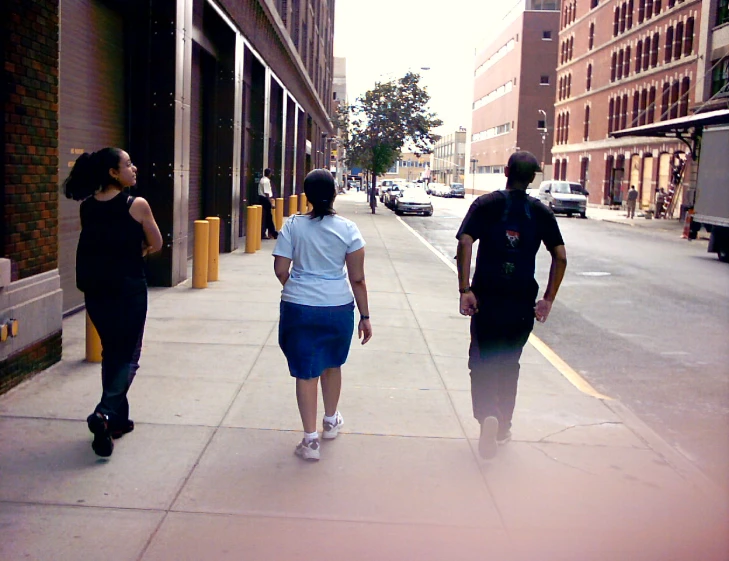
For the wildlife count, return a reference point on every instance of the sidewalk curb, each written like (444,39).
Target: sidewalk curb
(677,460)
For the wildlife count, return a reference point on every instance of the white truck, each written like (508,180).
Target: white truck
(711,206)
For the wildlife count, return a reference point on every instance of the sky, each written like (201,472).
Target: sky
(386,38)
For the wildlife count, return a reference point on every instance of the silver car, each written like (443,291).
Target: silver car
(414,201)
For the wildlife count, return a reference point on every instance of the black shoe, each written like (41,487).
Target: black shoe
(99,426)
(502,437)
(119,430)
(275,235)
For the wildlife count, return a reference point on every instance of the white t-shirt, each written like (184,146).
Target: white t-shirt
(318,249)
(264,187)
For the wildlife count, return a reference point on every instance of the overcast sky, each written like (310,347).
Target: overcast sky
(378,37)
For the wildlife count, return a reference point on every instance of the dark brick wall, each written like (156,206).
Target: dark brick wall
(30,136)
(29,361)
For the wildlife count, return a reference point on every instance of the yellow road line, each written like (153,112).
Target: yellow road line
(562,367)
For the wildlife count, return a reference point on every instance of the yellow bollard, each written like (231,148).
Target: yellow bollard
(213,248)
(259,217)
(93,342)
(303,204)
(279,215)
(200,254)
(293,205)
(251,229)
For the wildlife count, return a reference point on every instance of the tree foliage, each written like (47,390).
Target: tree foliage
(390,116)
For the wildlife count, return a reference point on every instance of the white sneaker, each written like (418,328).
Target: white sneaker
(332,430)
(487,440)
(308,450)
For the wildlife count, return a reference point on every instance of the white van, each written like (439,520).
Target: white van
(564,197)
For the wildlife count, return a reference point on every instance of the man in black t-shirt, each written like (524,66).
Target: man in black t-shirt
(501,300)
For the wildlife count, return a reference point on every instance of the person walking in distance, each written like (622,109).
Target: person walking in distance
(317,304)
(632,201)
(510,227)
(660,202)
(265,196)
(117,231)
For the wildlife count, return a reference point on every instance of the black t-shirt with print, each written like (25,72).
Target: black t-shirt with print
(520,223)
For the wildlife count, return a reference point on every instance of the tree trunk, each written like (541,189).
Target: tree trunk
(373,196)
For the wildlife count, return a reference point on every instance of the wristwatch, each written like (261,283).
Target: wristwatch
(465,290)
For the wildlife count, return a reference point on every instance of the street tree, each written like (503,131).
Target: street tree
(392,115)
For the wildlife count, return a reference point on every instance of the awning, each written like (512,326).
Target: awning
(686,129)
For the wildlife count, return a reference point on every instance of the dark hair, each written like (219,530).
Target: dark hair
(522,167)
(320,190)
(90,173)
(267,172)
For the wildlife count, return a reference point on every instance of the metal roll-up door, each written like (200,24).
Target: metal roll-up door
(91,109)
(194,201)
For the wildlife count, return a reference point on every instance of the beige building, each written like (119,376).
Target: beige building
(448,160)
(410,166)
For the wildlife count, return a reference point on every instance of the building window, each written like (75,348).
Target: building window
(624,115)
(630,15)
(616,116)
(688,43)
(636,108)
(591,39)
(638,56)
(678,40)
(722,12)
(626,63)
(654,50)
(546,35)
(588,85)
(613,61)
(684,102)
(567,128)
(569,84)
(594,3)
(586,132)
(641,11)
(674,100)
(616,21)
(544,80)
(656,7)
(619,67)
(652,105)
(623,11)
(611,112)
(646,53)
(649,9)
(643,106)
(720,76)
(669,45)
(665,100)
(572,45)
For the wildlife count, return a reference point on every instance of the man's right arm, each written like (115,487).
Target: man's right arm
(556,274)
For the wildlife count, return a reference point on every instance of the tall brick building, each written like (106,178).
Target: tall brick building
(514,78)
(203,94)
(623,63)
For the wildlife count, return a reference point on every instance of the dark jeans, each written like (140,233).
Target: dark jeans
(119,318)
(267,219)
(497,340)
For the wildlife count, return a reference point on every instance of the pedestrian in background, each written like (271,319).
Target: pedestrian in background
(501,300)
(117,230)
(265,196)
(660,202)
(632,201)
(317,304)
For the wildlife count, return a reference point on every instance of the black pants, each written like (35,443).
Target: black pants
(119,318)
(267,219)
(497,340)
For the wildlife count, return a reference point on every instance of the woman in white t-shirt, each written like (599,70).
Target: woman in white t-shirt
(317,304)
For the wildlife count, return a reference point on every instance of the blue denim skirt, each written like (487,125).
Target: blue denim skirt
(314,338)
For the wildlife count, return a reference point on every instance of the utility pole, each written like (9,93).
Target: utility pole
(474,161)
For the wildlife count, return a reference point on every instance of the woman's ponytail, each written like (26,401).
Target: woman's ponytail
(320,190)
(90,173)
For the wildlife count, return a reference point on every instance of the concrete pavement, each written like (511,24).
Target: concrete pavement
(209,473)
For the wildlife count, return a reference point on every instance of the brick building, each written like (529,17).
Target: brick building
(203,94)
(623,64)
(514,78)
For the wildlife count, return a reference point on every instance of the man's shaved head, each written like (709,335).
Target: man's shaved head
(521,168)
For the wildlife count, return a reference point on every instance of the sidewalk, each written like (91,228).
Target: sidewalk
(209,473)
(640,221)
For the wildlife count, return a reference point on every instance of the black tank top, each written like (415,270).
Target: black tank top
(109,253)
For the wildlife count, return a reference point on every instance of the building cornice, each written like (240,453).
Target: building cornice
(609,143)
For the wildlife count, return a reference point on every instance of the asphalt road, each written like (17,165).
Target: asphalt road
(644,317)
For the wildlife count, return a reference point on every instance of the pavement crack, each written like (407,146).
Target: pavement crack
(555,460)
(544,438)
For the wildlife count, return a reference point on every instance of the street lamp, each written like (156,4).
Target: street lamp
(474,161)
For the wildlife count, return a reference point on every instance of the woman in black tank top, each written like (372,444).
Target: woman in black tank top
(117,230)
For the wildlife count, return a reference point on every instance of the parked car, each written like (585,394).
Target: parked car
(392,194)
(438,189)
(564,197)
(414,200)
(382,188)
(457,191)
